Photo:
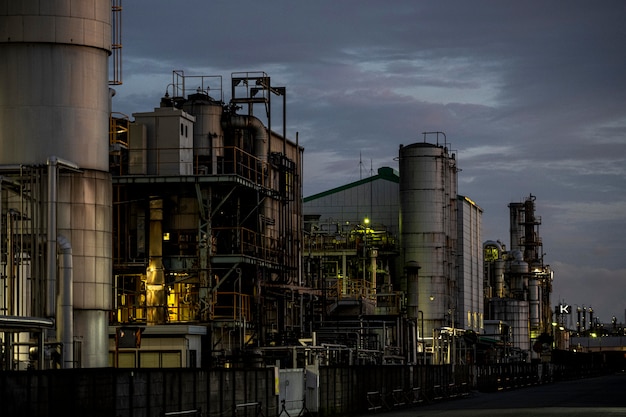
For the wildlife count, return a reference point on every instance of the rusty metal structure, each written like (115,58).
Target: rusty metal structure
(206,218)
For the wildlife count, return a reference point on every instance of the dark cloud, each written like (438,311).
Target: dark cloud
(530,96)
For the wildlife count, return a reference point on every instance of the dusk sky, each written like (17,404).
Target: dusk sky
(531,97)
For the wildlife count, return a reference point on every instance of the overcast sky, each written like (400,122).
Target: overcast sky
(530,95)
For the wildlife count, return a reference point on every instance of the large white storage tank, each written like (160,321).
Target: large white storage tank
(428,194)
(54,109)
(54,98)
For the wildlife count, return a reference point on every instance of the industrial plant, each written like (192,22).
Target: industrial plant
(166,262)
(178,236)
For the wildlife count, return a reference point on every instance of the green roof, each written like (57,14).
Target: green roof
(384,173)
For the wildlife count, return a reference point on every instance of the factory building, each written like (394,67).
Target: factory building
(179,236)
(470,266)
(351,247)
(171,239)
(410,249)
(207,227)
(518,285)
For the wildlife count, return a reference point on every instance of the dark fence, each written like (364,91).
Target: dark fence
(252,392)
(139,393)
(348,390)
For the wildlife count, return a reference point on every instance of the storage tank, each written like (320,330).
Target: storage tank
(54,94)
(515,314)
(208,136)
(54,110)
(428,193)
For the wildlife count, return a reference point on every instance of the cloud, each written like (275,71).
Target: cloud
(530,96)
(574,281)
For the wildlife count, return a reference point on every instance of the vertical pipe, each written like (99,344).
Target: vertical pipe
(53,180)
(65,313)
(373,254)
(52,237)
(344,275)
(11,290)
(3,294)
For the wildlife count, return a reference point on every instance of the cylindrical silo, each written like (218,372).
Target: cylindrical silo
(54,95)
(428,227)
(515,314)
(54,110)
(208,135)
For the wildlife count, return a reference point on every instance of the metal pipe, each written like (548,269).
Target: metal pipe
(53,172)
(259,130)
(21,322)
(421,316)
(3,295)
(52,239)
(65,313)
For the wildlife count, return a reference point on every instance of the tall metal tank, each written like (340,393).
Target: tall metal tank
(208,135)
(515,314)
(54,96)
(54,110)
(428,193)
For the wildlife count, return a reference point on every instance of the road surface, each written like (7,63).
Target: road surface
(591,397)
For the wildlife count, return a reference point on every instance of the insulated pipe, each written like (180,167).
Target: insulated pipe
(65,313)
(21,322)
(258,129)
(261,144)
(53,173)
